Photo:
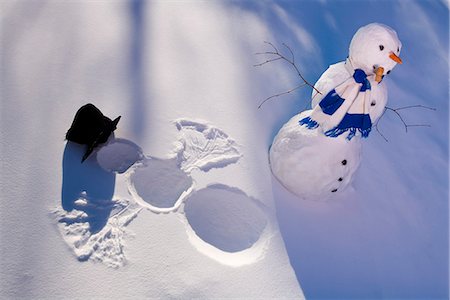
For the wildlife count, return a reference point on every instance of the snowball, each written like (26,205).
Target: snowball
(310,164)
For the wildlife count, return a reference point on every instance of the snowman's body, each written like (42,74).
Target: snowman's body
(304,159)
(310,164)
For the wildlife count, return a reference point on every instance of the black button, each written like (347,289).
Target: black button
(334,191)
(373,103)
(344,162)
(340,179)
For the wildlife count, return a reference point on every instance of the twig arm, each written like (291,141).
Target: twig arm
(280,94)
(277,55)
(406,125)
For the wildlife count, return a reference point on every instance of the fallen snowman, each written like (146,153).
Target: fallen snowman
(316,153)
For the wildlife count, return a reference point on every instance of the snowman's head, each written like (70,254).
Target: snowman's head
(374,46)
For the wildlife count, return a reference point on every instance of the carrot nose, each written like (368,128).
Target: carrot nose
(379,74)
(395,58)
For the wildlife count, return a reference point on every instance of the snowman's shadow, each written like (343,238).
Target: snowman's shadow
(90,183)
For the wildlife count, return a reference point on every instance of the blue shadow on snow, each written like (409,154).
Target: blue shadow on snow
(89,181)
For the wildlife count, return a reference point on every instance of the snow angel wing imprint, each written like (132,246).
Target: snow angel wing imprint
(203,146)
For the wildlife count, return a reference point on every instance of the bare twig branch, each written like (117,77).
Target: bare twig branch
(419,125)
(274,48)
(283,93)
(279,56)
(406,125)
(292,53)
(382,135)
(399,115)
(376,126)
(265,53)
(267,61)
(416,106)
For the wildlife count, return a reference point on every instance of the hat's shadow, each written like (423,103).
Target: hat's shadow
(89,182)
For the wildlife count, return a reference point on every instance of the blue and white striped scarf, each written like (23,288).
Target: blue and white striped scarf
(344,109)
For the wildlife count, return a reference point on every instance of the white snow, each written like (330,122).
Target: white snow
(162,184)
(248,232)
(94,226)
(203,146)
(372,46)
(140,60)
(158,62)
(107,245)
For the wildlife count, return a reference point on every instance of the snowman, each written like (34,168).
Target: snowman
(316,153)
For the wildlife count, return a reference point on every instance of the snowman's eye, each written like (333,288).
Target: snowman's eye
(398,49)
(381,47)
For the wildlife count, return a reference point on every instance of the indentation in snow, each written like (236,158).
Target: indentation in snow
(119,155)
(104,246)
(159,184)
(204,147)
(94,225)
(225,217)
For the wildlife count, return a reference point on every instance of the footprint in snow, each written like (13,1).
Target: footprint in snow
(222,222)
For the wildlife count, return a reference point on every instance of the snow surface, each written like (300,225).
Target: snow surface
(222,217)
(158,62)
(179,99)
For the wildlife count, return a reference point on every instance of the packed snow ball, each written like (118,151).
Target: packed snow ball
(310,164)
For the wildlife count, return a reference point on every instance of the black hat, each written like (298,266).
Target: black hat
(90,127)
